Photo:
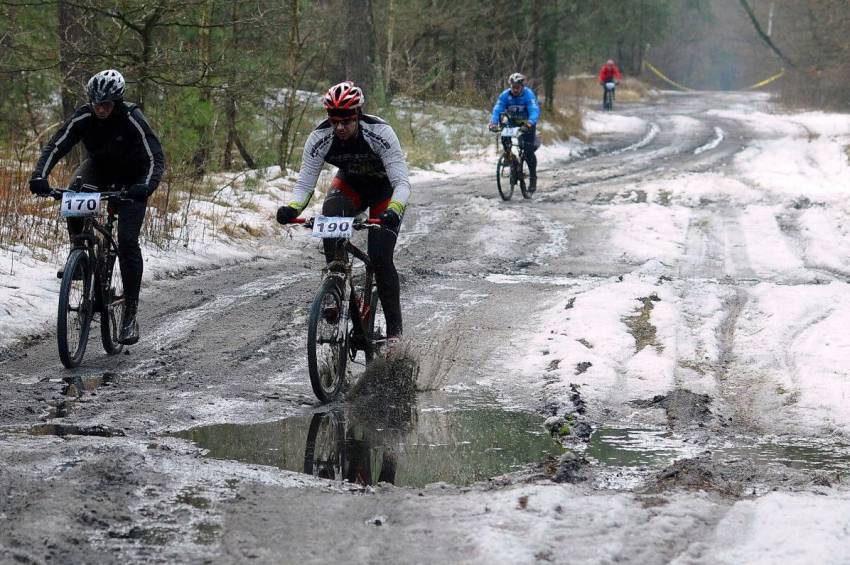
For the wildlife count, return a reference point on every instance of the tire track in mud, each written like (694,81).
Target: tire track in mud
(790,227)
(176,328)
(677,157)
(715,258)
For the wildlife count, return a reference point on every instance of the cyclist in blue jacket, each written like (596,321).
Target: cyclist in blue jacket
(519,104)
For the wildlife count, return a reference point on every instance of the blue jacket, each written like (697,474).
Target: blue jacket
(519,108)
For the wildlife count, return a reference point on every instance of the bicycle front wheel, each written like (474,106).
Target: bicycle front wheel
(75,308)
(327,340)
(112,307)
(503,178)
(324,450)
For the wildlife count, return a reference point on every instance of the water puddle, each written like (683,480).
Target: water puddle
(519,278)
(632,447)
(627,447)
(459,447)
(63,430)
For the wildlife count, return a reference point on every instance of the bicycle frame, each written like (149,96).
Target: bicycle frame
(504,123)
(98,249)
(358,310)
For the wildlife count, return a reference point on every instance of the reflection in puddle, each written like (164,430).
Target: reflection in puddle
(631,447)
(808,457)
(628,447)
(458,447)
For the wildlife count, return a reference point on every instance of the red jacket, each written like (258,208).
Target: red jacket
(609,72)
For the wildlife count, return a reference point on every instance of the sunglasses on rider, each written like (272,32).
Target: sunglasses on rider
(337,120)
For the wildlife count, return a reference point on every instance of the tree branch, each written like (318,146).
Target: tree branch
(763,35)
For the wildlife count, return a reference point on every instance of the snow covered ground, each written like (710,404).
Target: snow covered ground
(683,276)
(29,288)
(794,181)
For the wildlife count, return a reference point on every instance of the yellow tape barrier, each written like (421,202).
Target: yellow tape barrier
(768,80)
(672,82)
(663,77)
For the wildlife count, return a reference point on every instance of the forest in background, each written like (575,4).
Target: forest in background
(733,44)
(218,79)
(230,85)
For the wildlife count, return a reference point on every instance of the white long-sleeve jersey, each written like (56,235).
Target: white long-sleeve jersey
(371,163)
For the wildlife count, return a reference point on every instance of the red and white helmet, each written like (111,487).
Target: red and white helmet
(344,98)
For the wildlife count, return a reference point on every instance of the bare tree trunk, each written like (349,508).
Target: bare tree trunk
(535,39)
(243,152)
(147,39)
(551,28)
(230,97)
(360,45)
(202,152)
(73,75)
(389,53)
(293,61)
(637,63)
(453,62)
(764,37)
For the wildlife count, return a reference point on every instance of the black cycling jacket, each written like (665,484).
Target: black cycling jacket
(123,145)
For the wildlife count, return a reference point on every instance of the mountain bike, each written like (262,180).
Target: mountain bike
(511,167)
(608,96)
(91,279)
(346,315)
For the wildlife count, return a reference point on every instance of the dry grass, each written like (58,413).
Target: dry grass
(35,223)
(586,86)
(561,124)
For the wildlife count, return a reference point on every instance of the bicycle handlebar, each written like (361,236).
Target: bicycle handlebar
(56,193)
(369,223)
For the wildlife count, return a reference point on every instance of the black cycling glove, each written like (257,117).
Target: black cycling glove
(390,219)
(40,186)
(285,214)
(138,192)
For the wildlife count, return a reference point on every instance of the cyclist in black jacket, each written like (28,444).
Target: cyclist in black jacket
(121,148)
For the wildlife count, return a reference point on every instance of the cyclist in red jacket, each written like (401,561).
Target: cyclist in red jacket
(609,73)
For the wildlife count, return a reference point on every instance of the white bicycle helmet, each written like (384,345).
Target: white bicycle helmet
(516,78)
(105,86)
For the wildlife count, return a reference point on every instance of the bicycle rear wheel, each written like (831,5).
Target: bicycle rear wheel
(112,308)
(376,326)
(503,178)
(75,308)
(327,340)
(522,176)
(608,102)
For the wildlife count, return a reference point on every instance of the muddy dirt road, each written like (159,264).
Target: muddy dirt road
(662,306)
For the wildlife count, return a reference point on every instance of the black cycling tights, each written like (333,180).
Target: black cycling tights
(380,247)
(131,215)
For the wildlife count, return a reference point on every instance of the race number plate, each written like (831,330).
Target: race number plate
(330,226)
(79,204)
(509,132)
(609,85)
